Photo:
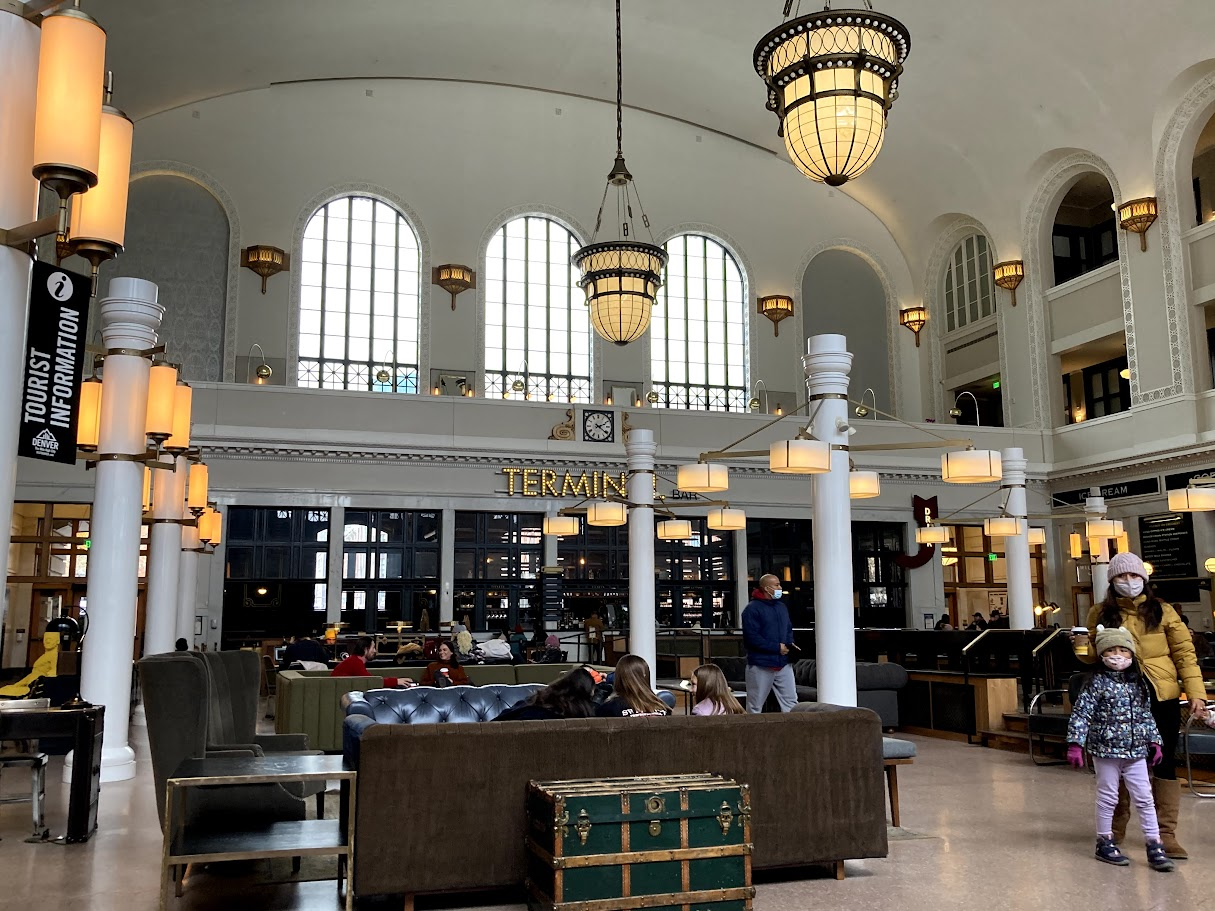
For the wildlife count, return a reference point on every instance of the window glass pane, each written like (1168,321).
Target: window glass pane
(968,284)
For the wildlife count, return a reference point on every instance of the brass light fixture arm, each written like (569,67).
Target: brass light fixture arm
(22,235)
(726,450)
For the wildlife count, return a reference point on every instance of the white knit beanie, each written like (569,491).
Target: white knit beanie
(1127,563)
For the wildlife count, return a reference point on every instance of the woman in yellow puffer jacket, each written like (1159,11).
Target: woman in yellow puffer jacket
(1166,654)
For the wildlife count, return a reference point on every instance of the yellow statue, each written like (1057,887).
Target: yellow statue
(45,666)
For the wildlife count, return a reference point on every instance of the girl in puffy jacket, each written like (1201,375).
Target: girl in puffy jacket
(1112,720)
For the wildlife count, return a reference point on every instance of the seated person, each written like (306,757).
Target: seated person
(181,645)
(497,648)
(363,650)
(411,649)
(518,640)
(45,665)
(305,649)
(464,643)
(632,695)
(446,671)
(711,693)
(568,697)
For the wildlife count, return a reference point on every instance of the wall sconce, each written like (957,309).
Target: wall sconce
(1137,215)
(914,318)
(652,397)
(453,279)
(265,261)
(776,307)
(1009,275)
(260,375)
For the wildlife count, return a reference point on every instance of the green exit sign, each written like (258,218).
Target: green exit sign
(88,543)
(991,558)
(995,384)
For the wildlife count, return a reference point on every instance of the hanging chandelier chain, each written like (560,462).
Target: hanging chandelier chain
(619,88)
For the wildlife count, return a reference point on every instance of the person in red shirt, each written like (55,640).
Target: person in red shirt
(363,650)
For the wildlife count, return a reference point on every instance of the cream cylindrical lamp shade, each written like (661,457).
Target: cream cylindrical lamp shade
(210,527)
(725,519)
(1209,565)
(1149,568)
(1003,526)
(971,466)
(199,480)
(1103,528)
(1037,536)
(607,514)
(162,381)
(674,530)
(799,457)
(864,485)
(71,86)
(88,427)
(1124,542)
(101,213)
(560,526)
(1075,545)
(183,406)
(932,534)
(703,477)
(1192,499)
(147,488)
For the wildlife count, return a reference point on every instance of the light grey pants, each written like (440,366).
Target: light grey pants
(762,680)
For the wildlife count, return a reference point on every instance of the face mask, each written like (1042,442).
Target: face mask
(1131,589)
(778,594)
(1116,662)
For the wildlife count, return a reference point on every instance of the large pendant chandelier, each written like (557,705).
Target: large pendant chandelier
(621,277)
(832,77)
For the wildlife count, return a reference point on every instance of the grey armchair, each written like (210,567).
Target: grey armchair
(177,705)
(234,684)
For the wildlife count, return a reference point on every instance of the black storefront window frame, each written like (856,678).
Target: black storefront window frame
(411,540)
(512,543)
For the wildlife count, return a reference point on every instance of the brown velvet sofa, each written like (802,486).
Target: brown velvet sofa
(815,777)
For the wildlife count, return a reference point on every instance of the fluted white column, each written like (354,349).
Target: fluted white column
(164,556)
(1016,547)
(187,584)
(1094,508)
(827,363)
(130,318)
(18,205)
(640,450)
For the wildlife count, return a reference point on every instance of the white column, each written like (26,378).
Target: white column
(1094,508)
(18,205)
(827,363)
(640,449)
(333,578)
(130,317)
(741,591)
(164,557)
(549,544)
(447,571)
(187,584)
(1016,547)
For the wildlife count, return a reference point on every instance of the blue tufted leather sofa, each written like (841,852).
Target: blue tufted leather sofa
(427,705)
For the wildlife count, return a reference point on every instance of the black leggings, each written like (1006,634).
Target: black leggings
(1168,719)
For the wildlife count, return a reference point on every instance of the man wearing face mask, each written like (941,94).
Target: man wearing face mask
(768,637)
(1166,654)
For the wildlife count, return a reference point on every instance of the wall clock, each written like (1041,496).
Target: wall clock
(598,426)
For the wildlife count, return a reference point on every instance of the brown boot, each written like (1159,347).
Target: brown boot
(1122,814)
(1168,805)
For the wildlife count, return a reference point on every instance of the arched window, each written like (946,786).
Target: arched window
(537,326)
(969,288)
(360,285)
(698,349)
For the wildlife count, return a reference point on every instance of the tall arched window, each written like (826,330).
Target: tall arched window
(969,289)
(698,349)
(537,326)
(360,285)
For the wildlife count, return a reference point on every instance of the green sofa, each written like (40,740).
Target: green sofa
(309,702)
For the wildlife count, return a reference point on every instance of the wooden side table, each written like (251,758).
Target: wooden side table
(293,838)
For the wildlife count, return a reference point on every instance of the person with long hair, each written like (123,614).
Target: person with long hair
(446,671)
(712,693)
(570,696)
(1166,653)
(631,692)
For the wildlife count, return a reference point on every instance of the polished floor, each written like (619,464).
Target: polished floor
(982,829)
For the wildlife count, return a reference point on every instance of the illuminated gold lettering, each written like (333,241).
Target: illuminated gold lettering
(579,488)
(618,485)
(510,479)
(530,481)
(548,483)
(595,483)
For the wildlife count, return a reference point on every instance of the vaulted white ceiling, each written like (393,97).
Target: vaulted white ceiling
(989,89)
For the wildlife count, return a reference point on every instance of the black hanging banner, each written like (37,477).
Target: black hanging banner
(54,362)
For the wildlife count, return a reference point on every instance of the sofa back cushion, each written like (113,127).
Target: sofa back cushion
(482,674)
(435,705)
(735,669)
(804,672)
(880,676)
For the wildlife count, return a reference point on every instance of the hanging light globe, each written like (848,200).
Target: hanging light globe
(832,77)
(621,277)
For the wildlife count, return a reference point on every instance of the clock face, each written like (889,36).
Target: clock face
(598,426)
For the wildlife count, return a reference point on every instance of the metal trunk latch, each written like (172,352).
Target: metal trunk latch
(561,825)
(583,826)
(725,816)
(655,804)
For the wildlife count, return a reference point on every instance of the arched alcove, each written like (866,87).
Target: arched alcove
(841,293)
(1084,236)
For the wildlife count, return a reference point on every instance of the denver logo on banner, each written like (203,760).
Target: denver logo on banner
(54,361)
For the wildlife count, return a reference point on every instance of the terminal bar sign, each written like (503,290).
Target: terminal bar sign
(54,361)
(545,482)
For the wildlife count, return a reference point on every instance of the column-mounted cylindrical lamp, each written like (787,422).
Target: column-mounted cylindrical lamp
(265,261)
(1075,545)
(196,497)
(914,318)
(775,307)
(162,386)
(1009,275)
(88,426)
(1137,215)
(183,406)
(99,217)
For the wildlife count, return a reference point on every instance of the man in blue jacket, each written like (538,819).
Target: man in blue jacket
(768,636)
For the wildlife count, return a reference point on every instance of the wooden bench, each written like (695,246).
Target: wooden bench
(895,753)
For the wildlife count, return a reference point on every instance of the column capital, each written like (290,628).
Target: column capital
(1014,464)
(640,448)
(130,314)
(827,363)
